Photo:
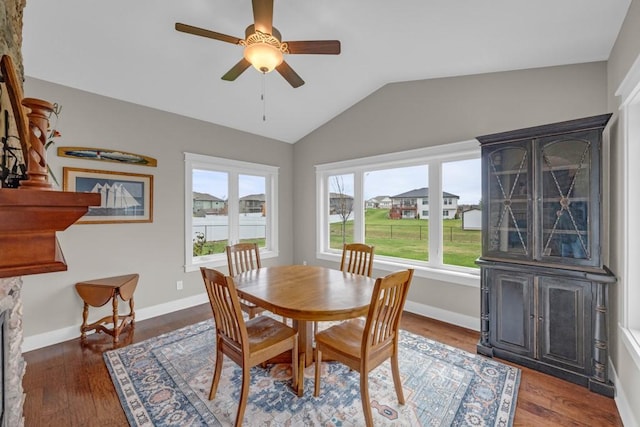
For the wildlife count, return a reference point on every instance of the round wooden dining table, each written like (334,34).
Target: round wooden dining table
(306,294)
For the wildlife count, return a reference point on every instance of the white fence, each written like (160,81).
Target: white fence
(216,227)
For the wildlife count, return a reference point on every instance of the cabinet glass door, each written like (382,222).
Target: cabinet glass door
(507,216)
(566,165)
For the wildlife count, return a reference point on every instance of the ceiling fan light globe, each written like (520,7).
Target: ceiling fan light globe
(263,56)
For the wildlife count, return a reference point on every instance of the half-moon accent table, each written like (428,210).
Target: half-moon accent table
(97,293)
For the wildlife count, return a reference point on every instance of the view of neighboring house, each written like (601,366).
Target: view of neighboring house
(204,203)
(253,203)
(341,204)
(414,204)
(379,202)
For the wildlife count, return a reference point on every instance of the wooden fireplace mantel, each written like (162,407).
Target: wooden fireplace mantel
(29,220)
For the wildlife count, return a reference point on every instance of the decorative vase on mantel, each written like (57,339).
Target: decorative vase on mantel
(29,220)
(37,170)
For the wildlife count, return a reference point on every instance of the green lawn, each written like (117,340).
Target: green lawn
(408,238)
(200,247)
(401,238)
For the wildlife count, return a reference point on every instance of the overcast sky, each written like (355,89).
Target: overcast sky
(216,184)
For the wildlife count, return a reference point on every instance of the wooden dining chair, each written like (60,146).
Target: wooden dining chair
(357,258)
(246,343)
(243,257)
(364,345)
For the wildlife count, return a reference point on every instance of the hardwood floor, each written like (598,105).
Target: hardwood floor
(68,385)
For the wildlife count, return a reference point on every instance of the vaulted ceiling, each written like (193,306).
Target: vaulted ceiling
(129,50)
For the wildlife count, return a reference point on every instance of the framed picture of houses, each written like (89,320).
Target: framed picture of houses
(125,197)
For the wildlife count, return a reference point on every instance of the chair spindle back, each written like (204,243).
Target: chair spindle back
(357,258)
(226,307)
(243,257)
(385,311)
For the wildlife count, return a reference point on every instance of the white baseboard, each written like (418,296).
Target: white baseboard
(622,402)
(35,342)
(457,319)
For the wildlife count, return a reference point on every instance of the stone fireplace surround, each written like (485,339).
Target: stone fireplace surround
(42,216)
(15,366)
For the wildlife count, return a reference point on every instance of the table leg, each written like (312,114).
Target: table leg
(116,331)
(305,339)
(131,312)
(300,373)
(85,316)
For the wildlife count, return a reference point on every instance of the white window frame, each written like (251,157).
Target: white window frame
(434,157)
(234,168)
(629,323)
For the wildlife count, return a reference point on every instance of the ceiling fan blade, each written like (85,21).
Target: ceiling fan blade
(289,75)
(263,15)
(236,70)
(206,33)
(318,47)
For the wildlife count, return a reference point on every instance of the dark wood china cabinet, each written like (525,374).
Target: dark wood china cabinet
(544,292)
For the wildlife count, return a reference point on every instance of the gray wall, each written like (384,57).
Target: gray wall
(623,55)
(397,117)
(155,250)
(403,116)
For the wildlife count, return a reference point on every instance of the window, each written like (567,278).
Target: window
(340,215)
(629,128)
(407,188)
(460,246)
(228,201)
(403,230)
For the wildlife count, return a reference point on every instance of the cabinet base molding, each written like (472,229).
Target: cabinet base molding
(603,388)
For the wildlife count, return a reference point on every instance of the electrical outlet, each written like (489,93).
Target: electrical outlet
(179,285)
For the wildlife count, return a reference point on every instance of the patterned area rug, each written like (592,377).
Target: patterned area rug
(165,381)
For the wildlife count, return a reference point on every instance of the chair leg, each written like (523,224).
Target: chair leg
(294,364)
(301,366)
(244,394)
(396,377)
(318,367)
(217,373)
(366,401)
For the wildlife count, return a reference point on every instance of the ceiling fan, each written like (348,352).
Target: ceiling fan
(263,45)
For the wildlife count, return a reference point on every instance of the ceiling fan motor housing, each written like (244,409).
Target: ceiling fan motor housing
(264,51)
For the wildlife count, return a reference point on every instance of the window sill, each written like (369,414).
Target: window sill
(631,340)
(465,278)
(220,261)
